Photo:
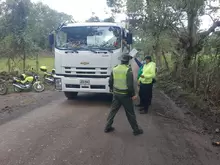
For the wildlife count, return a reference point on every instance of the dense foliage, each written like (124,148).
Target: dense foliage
(171,31)
(24,29)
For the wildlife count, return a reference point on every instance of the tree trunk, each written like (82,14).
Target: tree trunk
(165,61)
(157,56)
(187,59)
(195,82)
(191,14)
(24,57)
(175,63)
(9,64)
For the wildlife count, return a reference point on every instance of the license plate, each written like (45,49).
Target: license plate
(84,82)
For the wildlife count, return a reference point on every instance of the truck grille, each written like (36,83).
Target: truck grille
(90,72)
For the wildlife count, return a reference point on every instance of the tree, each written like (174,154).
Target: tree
(24,29)
(110,19)
(42,20)
(93,18)
(16,13)
(158,17)
(170,28)
(116,5)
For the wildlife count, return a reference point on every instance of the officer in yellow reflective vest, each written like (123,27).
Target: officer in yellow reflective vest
(146,81)
(122,85)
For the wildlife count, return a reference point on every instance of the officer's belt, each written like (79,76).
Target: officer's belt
(120,91)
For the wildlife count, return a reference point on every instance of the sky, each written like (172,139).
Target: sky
(82,10)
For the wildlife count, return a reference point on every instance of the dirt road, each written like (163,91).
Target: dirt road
(66,132)
(47,129)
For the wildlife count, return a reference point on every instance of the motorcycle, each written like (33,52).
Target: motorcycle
(3,88)
(37,85)
(48,77)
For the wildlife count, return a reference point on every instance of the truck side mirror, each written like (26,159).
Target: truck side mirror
(51,39)
(129,38)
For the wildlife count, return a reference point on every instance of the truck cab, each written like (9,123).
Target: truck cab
(85,54)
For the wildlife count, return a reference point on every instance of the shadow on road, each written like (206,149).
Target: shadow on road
(91,100)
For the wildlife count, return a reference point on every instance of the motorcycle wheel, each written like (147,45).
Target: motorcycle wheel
(38,87)
(3,89)
(16,89)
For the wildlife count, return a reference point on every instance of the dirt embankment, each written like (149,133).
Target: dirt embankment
(204,116)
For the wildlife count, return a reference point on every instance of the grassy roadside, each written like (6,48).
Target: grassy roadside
(30,63)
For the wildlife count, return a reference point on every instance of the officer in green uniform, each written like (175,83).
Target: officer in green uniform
(122,85)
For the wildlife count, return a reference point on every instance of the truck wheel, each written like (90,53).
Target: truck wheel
(71,95)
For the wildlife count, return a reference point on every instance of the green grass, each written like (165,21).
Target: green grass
(30,63)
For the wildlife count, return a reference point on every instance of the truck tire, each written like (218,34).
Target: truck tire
(71,95)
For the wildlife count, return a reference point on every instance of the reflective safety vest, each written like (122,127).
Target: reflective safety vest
(120,79)
(149,72)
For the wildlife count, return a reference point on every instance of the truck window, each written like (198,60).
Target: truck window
(84,37)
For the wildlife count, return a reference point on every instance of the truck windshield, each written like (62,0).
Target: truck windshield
(92,37)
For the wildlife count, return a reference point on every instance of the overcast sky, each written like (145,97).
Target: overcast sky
(82,9)
(79,9)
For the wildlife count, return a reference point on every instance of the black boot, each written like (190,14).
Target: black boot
(138,132)
(145,109)
(107,130)
(139,105)
(144,112)
(141,109)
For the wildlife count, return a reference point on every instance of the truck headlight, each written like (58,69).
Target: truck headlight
(58,84)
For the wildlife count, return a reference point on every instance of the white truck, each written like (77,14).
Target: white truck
(85,54)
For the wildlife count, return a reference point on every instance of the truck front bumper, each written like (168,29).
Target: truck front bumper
(87,85)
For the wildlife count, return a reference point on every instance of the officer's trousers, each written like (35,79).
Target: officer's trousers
(127,103)
(146,95)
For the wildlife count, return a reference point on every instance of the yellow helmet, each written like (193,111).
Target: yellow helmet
(53,71)
(23,76)
(43,68)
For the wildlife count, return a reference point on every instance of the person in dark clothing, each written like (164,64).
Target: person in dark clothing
(146,81)
(121,83)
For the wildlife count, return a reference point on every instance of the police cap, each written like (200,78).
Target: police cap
(125,57)
(147,58)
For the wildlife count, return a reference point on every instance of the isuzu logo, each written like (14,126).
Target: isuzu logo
(84,63)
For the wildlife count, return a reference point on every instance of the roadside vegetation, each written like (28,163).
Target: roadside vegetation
(24,29)
(185,48)
(30,63)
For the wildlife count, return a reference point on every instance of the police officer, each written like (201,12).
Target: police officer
(121,83)
(146,80)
